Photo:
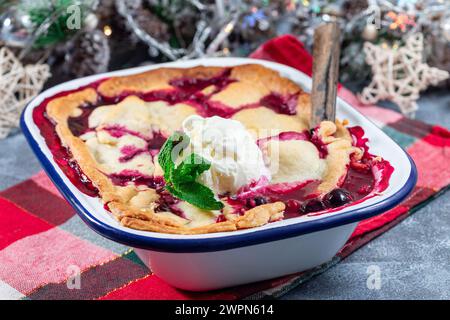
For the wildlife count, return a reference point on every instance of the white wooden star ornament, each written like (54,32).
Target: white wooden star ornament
(18,85)
(399,74)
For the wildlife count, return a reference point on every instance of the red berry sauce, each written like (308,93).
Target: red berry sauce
(126,176)
(62,155)
(281,104)
(364,177)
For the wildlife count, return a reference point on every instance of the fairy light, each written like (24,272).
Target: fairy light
(107,30)
(229,27)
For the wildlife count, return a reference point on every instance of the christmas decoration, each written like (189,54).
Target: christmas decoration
(145,19)
(399,74)
(437,39)
(370,32)
(150,23)
(204,28)
(18,85)
(88,55)
(174,29)
(81,37)
(390,22)
(42,23)
(354,7)
(131,12)
(15,27)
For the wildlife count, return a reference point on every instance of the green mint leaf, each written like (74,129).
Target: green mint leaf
(197,195)
(173,191)
(181,180)
(191,167)
(166,158)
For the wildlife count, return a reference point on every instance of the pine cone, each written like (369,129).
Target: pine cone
(106,10)
(89,54)
(108,15)
(152,25)
(186,25)
(353,7)
(144,18)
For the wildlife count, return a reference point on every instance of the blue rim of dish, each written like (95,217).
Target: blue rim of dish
(217,243)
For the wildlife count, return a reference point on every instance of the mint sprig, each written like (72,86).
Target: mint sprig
(181,180)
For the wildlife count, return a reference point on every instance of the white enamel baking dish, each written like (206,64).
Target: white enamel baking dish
(218,260)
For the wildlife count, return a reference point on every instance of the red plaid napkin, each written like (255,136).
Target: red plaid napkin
(43,243)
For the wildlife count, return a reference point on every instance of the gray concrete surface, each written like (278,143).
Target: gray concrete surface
(413,258)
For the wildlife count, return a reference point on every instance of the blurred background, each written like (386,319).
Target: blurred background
(59,40)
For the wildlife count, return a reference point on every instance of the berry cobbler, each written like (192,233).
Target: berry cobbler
(207,149)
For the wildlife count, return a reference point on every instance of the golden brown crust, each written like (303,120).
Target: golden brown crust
(264,122)
(59,110)
(149,226)
(339,147)
(260,215)
(134,206)
(157,79)
(254,217)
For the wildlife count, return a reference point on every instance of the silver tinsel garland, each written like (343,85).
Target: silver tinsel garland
(236,27)
(39,30)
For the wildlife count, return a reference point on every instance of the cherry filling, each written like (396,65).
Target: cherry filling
(320,145)
(154,142)
(292,194)
(359,140)
(301,198)
(192,85)
(306,135)
(80,125)
(62,155)
(126,176)
(364,176)
(168,203)
(118,131)
(189,91)
(281,104)
(130,152)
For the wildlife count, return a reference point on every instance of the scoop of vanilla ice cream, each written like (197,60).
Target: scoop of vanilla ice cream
(235,157)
